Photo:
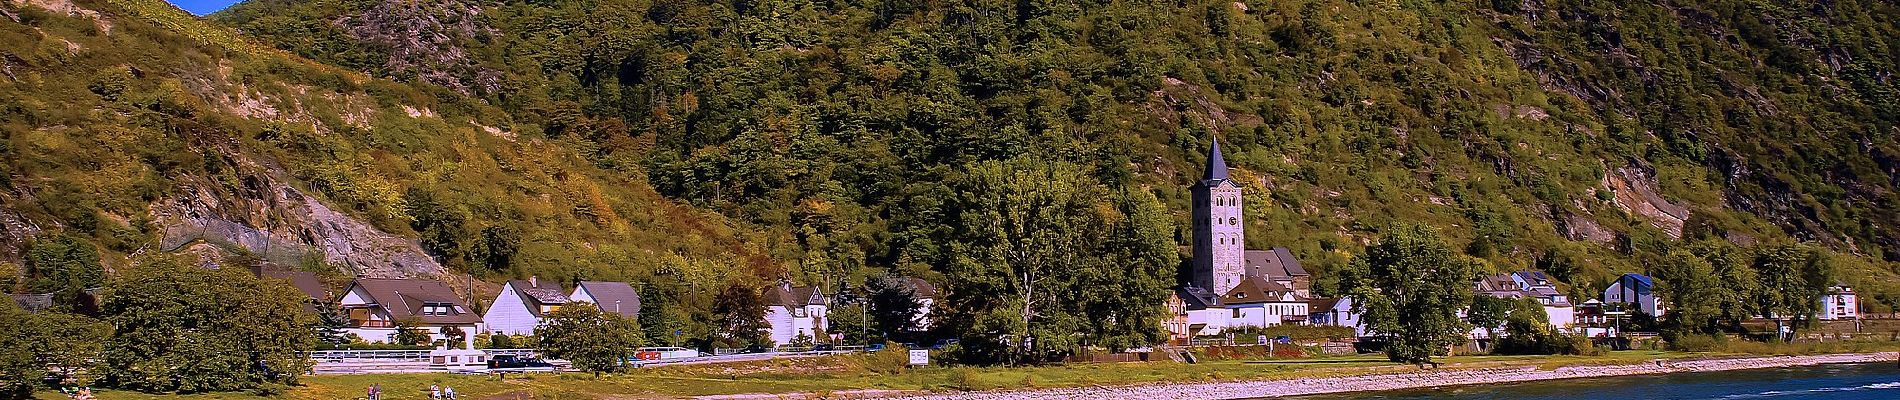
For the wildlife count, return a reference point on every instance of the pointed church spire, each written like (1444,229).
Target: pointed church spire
(1216,166)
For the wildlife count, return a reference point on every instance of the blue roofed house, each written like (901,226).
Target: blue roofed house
(1638,290)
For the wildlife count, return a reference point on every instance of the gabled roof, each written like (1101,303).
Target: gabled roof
(1533,277)
(1254,289)
(405,299)
(1197,298)
(33,302)
(1216,165)
(1274,265)
(1321,305)
(922,288)
(305,282)
(788,296)
(613,297)
(1498,283)
(1640,278)
(536,293)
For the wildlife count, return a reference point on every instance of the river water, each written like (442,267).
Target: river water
(1821,382)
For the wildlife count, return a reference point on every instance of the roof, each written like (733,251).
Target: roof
(535,294)
(1216,165)
(922,288)
(1275,264)
(405,298)
(1640,279)
(305,282)
(1254,289)
(1498,283)
(1533,277)
(33,302)
(1197,298)
(786,295)
(1320,305)
(614,297)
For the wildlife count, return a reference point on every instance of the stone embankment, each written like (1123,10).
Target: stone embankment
(1409,380)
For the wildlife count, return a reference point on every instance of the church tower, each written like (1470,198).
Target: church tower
(1219,238)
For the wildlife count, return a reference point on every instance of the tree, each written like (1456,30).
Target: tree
(408,334)
(1489,313)
(1527,329)
(893,304)
(69,342)
(20,369)
(1410,286)
(454,336)
(593,340)
(1793,277)
(496,250)
(850,320)
(740,313)
(1043,260)
(1683,278)
(64,265)
(332,320)
(180,328)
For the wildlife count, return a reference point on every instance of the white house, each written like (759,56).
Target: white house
(612,297)
(1840,302)
(518,309)
(1335,312)
(926,299)
(1563,314)
(794,312)
(1258,302)
(375,306)
(1638,290)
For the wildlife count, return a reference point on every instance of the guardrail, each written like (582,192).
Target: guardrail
(399,355)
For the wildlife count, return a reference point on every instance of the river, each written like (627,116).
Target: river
(1820,382)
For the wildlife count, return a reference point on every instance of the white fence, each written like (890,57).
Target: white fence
(398,355)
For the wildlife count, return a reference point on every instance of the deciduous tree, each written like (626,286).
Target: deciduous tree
(181,328)
(1411,285)
(593,340)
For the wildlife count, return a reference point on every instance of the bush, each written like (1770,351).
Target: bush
(1696,343)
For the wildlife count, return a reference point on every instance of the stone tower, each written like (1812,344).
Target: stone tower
(1219,238)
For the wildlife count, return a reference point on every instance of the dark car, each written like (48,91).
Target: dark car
(755,349)
(942,343)
(874,347)
(824,347)
(514,361)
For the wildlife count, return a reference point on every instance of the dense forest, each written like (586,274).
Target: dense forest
(693,145)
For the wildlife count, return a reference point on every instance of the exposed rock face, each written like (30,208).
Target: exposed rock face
(1635,188)
(428,40)
(1580,227)
(282,224)
(1178,99)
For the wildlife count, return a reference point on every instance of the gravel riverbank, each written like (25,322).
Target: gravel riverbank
(1409,380)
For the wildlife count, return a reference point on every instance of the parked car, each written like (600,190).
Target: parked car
(514,361)
(755,349)
(823,347)
(942,343)
(873,347)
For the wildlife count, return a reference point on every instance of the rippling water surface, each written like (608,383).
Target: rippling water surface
(1823,382)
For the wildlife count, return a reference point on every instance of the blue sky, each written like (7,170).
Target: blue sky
(202,7)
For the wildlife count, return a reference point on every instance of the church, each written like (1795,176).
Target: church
(1230,286)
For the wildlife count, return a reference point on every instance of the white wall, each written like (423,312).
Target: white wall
(1840,306)
(508,314)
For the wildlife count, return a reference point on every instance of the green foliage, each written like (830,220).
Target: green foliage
(20,369)
(64,265)
(181,328)
(1410,286)
(1489,313)
(893,305)
(1046,260)
(408,334)
(1792,278)
(740,310)
(70,343)
(593,340)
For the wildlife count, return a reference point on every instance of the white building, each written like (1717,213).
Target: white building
(794,312)
(518,309)
(376,306)
(1257,302)
(1638,290)
(1563,314)
(926,299)
(1335,312)
(1840,302)
(611,297)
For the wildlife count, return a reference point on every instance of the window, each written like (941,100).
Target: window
(798,312)
(1236,313)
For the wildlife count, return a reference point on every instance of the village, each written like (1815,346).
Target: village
(1232,297)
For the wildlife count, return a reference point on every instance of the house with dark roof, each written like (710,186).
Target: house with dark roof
(1259,302)
(1278,265)
(518,309)
(612,297)
(794,311)
(375,306)
(926,300)
(1639,291)
(1335,312)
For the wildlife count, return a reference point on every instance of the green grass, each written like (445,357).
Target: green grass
(885,372)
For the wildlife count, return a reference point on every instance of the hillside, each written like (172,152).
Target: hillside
(1576,136)
(133,129)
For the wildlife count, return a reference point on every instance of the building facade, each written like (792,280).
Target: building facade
(518,309)
(1219,237)
(1840,302)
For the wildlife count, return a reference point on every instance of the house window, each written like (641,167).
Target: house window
(799,312)
(1236,313)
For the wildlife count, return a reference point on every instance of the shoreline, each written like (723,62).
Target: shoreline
(1390,381)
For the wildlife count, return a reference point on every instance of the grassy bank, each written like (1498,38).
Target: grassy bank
(885,371)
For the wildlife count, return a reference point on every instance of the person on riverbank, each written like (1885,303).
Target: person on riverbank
(448,392)
(435,392)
